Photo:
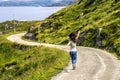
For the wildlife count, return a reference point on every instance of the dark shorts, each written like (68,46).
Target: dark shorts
(73,55)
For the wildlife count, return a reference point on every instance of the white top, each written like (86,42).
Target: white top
(72,46)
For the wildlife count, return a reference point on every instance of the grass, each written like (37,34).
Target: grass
(19,62)
(87,16)
(33,63)
(19,26)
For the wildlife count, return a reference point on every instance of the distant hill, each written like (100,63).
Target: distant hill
(36,2)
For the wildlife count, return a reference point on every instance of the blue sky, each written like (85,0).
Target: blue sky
(27,0)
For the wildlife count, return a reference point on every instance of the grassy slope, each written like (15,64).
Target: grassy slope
(23,62)
(19,25)
(88,16)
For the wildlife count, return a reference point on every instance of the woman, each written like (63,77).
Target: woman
(73,50)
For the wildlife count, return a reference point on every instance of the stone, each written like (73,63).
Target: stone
(1,33)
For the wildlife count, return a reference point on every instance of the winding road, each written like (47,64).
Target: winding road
(92,64)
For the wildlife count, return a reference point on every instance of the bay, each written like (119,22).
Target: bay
(26,13)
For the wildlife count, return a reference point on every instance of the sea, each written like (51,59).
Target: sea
(26,13)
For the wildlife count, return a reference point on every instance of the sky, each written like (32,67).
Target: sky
(15,0)
(27,0)
(38,0)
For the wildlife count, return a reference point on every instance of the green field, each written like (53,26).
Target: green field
(21,62)
(17,26)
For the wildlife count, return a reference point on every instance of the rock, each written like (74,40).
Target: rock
(20,47)
(46,24)
(99,38)
(10,67)
(3,70)
(1,33)
(31,36)
(99,41)
(51,29)
(80,15)
(28,35)
(28,57)
(90,2)
(9,77)
(8,27)
(31,29)
(79,1)
(116,1)
(56,26)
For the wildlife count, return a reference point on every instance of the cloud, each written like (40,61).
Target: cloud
(31,0)
(16,0)
(57,0)
(4,0)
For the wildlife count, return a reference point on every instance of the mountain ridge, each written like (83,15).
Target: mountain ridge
(37,3)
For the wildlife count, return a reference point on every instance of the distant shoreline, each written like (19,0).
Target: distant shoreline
(21,21)
(32,6)
(26,13)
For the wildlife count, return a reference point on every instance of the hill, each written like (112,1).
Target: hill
(21,61)
(36,2)
(18,26)
(98,20)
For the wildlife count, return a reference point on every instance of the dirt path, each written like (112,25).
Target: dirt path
(92,64)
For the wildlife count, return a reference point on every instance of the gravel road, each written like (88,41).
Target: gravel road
(92,64)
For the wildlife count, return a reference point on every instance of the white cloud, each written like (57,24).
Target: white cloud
(57,0)
(16,0)
(4,0)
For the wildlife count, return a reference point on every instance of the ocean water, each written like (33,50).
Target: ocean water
(26,13)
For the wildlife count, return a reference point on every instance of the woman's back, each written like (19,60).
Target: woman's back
(72,46)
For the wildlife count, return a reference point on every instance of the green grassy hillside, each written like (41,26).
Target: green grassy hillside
(18,26)
(21,62)
(98,20)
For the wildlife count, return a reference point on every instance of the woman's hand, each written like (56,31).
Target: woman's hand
(78,32)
